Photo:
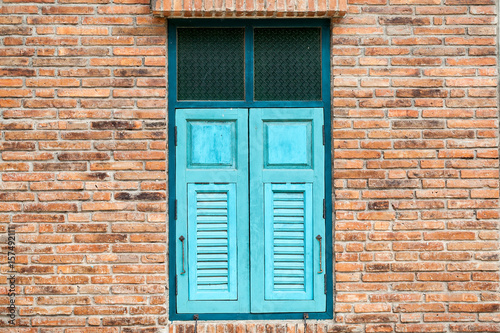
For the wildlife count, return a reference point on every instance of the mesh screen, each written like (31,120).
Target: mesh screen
(287,63)
(210,64)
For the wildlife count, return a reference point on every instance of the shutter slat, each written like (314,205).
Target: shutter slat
(212,273)
(212,257)
(288,257)
(212,265)
(202,233)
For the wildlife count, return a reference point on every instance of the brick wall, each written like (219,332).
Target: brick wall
(83,149)
(83,162)
(416,165)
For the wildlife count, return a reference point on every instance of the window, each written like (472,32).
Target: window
(249,171)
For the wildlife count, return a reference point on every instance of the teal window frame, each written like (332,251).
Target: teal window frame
(248,103)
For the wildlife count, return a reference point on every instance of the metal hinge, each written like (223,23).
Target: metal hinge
(176,284)
(175,210)
(324,208)
(325,283)
(323,135)
(175,135)
(195,318)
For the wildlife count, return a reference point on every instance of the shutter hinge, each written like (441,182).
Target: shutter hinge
(325,283)
(176,285)
(323,135)
(175,210)
(324,208)
(175,135)
(195,318)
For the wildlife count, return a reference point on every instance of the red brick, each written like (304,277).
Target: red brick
(360,308)
(381,277)
(481,327)
(107,41)
(491,307)
(371,318)
(83,93)
(124,10)
(107,20)
(420,328)
(58,321)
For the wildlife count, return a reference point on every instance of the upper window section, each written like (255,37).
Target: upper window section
(249,64)
(211,64)
(287,64)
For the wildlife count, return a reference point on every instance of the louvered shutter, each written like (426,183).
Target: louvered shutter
(286,210)
(212,214)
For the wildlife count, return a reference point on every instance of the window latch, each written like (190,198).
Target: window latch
(320,256)
(182,241)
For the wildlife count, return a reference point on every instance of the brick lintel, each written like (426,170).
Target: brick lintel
(248,8)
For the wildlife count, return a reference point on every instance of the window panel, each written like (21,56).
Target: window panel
(207,71)
(287,64)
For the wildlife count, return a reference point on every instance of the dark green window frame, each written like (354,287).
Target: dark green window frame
(250,102)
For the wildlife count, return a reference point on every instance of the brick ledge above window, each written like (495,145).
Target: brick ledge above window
(249,8)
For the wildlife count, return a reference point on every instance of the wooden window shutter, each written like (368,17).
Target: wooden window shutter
(212,193)
(286,210)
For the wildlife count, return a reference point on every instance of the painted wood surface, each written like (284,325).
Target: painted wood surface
(275,159)
(212,194)
(286,202)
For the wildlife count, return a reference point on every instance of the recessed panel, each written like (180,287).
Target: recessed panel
(212,242)
(288,241)
(211,144)
(288,144)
